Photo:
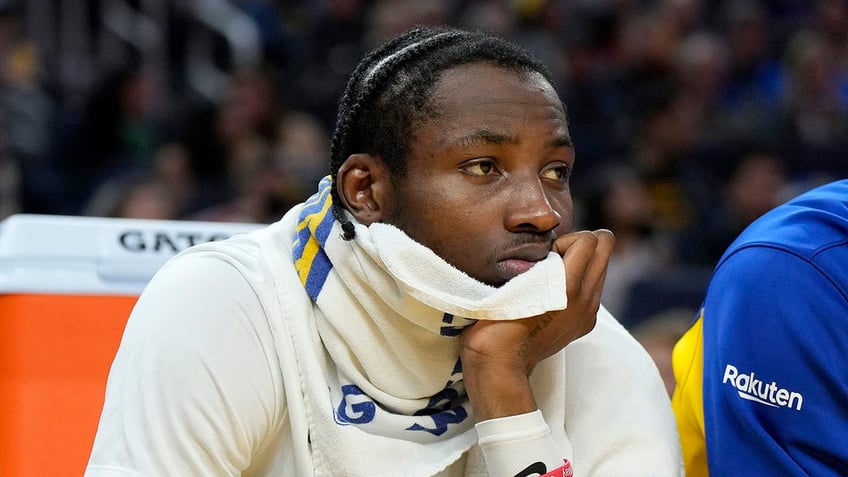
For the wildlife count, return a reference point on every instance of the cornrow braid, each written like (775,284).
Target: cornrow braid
(390,92)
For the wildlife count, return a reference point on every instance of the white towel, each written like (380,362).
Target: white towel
(423,275)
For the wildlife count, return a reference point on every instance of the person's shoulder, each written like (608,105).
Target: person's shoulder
(809,225)
(242,252)
(255,250)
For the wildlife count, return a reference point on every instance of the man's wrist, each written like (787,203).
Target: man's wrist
(495,393)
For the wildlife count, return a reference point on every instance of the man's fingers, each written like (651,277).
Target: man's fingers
(577,250)
(586,256)
(597,270)
(606,240)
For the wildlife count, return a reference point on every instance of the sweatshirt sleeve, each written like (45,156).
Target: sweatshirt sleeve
(518,446)
(192,390)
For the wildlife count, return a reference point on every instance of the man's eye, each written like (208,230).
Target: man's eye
(557,173)
(479,168)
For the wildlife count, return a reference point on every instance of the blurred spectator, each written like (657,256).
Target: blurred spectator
(165,192)
(387,18)
(663,151)
(279,42)
(246,122)
(116,135)
(589,84)
(831,22)
(700,70)
(134,198)
(333,41)
(273,176)
(491,15)
(756,78)
(229,147)
(27,117)
(749,185)
(300,155)
(815,108)
(620,201)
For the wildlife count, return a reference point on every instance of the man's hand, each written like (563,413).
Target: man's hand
(498,356)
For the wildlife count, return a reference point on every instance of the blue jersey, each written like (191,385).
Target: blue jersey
(763,373)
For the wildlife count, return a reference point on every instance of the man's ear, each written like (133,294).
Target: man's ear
(364,184)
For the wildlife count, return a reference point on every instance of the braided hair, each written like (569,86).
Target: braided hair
(390,91)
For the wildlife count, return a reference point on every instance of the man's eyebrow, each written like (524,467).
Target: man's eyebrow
(482,136)
(562,141)
(485,136)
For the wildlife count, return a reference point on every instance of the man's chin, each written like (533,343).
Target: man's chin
(496,282)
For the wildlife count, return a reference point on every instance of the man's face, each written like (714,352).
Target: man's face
(486,185)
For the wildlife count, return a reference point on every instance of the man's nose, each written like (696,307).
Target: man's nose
(530,209)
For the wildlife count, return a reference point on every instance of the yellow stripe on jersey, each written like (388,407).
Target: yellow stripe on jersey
(688,398)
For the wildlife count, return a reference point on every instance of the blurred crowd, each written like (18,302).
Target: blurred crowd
(690,118)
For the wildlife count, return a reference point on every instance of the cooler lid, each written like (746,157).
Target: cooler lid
(69,254)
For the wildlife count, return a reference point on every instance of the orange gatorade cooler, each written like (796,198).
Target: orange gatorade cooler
(67,285)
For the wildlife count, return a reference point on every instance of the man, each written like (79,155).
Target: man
(763,373)
(409,318)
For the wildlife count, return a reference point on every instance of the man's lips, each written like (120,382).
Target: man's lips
(515,266)
(522,259)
